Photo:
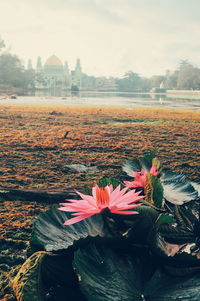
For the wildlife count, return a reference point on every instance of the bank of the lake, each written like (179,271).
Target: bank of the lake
(108,99)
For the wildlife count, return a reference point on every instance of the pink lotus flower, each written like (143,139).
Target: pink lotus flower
(153,171)
(117,201)
(140,178)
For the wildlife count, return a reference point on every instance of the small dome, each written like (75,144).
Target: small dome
(53,61)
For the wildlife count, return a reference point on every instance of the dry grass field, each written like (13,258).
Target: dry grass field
(39,143)
(34,152)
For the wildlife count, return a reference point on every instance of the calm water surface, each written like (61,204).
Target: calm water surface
(109,100)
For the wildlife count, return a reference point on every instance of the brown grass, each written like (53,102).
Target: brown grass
(34,153)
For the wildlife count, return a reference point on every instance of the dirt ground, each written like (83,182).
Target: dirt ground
(39,145)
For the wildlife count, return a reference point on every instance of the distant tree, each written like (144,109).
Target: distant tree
(185,77)
(171,80)
(11,71)
(2,44)
(188,77)
(145,84)
(156,80)
(131,81)
(183,63)
(132,77)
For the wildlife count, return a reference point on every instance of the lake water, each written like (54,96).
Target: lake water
(109,99)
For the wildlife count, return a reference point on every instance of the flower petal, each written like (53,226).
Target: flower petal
(87,198)
(124,212)
(153,171)
(87,212)
(117,194)
(119,207)
(134,184)
(130,196)
(72,208)
(77,219)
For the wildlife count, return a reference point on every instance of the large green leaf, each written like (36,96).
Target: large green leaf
(177,189)
(50,234)
(115,275)
(163,239)
(165,218)
(109,275)
(141,225)
(163,287)
(59,278)
(46,276)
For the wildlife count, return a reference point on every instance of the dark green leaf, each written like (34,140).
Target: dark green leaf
(111,275)
(115,275)
(146,161)
(157,191)
(109,181)
(177,189)
(59,279)
(142,224)
(165,218)
(163,287)
(46,274)
(50,234)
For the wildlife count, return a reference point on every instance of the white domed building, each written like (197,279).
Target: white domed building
(56,75)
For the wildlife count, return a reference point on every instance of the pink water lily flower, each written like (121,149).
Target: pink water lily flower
(140,178)
(117,200)
(153,171)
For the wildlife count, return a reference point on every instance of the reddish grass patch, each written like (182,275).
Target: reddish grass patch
(34,152)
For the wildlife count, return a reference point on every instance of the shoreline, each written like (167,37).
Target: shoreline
(74,108)
(167,91)
(70,103)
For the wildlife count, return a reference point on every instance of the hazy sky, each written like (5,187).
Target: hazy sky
(109,36)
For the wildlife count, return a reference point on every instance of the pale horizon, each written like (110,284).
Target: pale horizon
(110,37)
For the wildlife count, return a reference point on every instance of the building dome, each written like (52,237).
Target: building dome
(53,61)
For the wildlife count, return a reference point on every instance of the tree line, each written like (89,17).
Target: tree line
(13,74)
(185,77)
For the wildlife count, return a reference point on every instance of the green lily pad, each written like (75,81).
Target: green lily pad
(177,188)
(105,275)
(50,234)
(115,275)
(47,276)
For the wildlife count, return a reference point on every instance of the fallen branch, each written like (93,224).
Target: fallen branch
(42,196)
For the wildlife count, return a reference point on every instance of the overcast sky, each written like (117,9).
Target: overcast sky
(109,36)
